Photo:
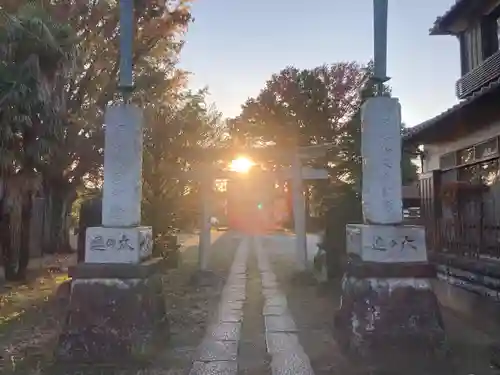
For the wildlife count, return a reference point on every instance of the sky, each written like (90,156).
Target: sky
(234,46)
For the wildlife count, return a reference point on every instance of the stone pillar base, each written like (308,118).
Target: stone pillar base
(389,319)
(116,315)
(389,323)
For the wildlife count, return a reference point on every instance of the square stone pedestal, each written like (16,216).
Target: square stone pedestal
(389,314)
(116,314)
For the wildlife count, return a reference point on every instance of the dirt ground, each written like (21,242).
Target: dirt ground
(313,308)
(30,316)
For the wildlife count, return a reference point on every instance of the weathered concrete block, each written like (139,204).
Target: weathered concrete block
(211,368)
(279,323)
(113,321)
(386,323)
(274,310)
(386,243)
(229,315)
(212,350)
(225,331)
(293,362)
(118,245)
(389,313)
(278,342)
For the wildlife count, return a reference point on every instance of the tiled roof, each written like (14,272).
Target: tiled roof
(412,132)
(449,12)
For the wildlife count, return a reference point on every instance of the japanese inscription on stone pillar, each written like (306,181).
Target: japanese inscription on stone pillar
(122,167)
(381,151)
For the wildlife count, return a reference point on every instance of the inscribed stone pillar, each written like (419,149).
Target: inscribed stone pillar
(121,239)
(205,223)
(299,213)
(117,284)
(381,150)
(388,308)
(122,167)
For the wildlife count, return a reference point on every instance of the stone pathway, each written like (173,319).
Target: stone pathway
(218,352)
(288,356)
(221,350)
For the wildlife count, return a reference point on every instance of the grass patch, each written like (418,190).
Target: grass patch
(30,315)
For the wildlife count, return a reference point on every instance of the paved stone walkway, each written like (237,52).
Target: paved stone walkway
(288,356)
(218,353)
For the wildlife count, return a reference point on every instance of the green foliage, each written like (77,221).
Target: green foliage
(58,72)
(301,107)
(170,200)
(93,84)
(316,106)
(36,55)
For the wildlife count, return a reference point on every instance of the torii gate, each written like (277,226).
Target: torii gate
(296,173)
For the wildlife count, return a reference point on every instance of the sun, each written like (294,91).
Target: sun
(241,165)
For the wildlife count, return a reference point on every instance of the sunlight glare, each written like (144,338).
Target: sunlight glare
(241,165)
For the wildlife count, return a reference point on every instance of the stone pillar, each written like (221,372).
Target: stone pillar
(117,312)
(381,150)
(205,224)
(389,315)
(299,213)
(121,239)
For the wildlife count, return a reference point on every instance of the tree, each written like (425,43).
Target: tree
(70,152)
(93,85)
(315,106)
(173,131)
(36,56)
(302,107)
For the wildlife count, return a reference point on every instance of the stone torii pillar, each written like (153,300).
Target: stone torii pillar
(299,213)
(205,240)
(298,175)
(389,314)
(117,310)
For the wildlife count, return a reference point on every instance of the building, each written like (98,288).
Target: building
(459,151)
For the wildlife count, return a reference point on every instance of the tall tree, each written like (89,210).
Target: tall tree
(172,132)
(93,83)
(314,106)
(36,54)
(302,107)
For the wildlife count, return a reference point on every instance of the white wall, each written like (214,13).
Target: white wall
(435,151)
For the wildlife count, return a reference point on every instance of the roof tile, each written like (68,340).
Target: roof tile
(413,131)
